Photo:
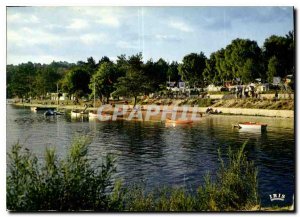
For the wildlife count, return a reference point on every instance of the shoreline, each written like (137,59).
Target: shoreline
(224,110)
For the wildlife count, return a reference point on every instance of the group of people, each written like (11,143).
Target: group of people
(248,91)
(210,110)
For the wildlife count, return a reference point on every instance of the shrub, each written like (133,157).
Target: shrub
(235,188)
(63,185)
(205,102)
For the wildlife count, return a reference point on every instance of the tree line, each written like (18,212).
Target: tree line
(131,76)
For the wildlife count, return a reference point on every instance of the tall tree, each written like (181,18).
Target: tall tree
(77,82)
(156,73)
(104,80)
(134,83)
(210,72)
(243,60)
(172,72)
(192,67)
(272,68)
(46,80)
(283,49)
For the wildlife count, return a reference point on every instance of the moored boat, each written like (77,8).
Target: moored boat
(93,114)
(169,121)
(49,112)
(252,125)
(103,117)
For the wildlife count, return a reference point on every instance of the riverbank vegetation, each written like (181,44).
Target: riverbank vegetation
(79,183)
(252,103)
(133,76)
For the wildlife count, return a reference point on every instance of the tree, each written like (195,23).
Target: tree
(247,71)
(283,49)
(46,80)
(104,59)
(192,67)
(21,79)
(104,80)
(134,83)
(91,65)
(77,82)
(243,60)
(156,73)
(210,72)
(172,72)
(272,68)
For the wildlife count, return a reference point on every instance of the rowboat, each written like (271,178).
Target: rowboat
(169,121)
(93,115)
(103,117)
(50,112)
(77,113)
(252,125)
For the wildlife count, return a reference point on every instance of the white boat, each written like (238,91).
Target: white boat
(253,125)
(93,115)
(169,121)
(78,113)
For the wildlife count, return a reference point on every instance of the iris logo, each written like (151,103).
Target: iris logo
(277,197)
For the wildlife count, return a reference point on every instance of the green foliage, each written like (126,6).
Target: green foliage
(134,83)
(156,74)
(235,188)
(283,49)
(210,73)
(192,68)
(272,68)
(104,80)
(205,102)
(46,80)
(74,183)
(76,82)
(243,59)
(172,72)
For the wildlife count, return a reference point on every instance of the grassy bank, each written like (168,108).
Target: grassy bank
(80,183)
(251,103)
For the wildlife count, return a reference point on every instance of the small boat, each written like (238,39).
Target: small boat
(34,109)
(49,112)
(252,125)
(93,115)
(75,113)
(169,121)
(103,115)
(59,113)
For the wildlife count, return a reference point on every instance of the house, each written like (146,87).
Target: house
(63,96)
(213,88)
(263,87)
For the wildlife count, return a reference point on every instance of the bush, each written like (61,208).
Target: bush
(205,102)
(235,188)
(63,185)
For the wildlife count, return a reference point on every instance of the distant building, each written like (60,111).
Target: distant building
(263,87)
(276,80)
(213,88)
(53,96)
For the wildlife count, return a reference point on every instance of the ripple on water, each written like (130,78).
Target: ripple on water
(160,155)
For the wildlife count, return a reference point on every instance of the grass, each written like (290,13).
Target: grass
(77,183)
(256,104)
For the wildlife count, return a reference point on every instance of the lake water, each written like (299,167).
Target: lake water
(158,155)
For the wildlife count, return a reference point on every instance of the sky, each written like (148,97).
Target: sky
(46,34)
